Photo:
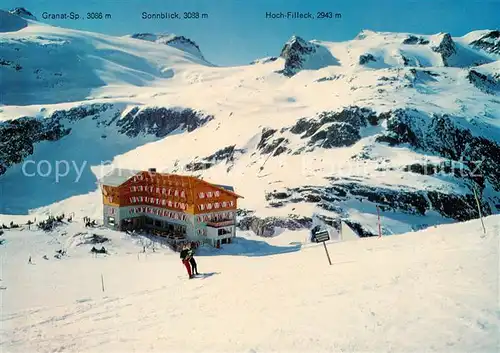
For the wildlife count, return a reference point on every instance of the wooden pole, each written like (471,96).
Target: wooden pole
(102,282)
(379,227)
(479,208)
(327,254)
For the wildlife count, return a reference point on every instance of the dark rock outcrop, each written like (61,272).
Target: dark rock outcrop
(264,60)
(446,48)
(227,154)
(265,226)
(490,42)
(18,137)
(459,207)
(410,201)
(80,112)
(439,134)
(160,121)
(294,53)
(267,144)
(335,129)
(487,83)
(22,12)
(359,229)
(413,40)
(436,168)
(242,212)
(366,58)
(173,40)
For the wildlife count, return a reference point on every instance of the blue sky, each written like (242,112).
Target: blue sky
(237,31)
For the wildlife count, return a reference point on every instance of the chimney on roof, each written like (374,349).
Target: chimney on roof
(152,170)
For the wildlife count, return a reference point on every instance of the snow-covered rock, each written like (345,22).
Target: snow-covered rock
(301,55)
(18,137)
(489,42)
(445,47)
(173,40)
(486,78)
(11,23)
(22,12)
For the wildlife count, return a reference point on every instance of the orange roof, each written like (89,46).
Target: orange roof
(129,174)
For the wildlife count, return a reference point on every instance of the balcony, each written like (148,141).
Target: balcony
(221,223)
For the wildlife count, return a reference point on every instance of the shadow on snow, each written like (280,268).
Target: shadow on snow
(248,247)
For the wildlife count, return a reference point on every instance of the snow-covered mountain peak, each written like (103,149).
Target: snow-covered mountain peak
(22,12)
(10,22)
(364,34)
(300,54)
(173,40)
(489,42)
(443,44)
(58,64)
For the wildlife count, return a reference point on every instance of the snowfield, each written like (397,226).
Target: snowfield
(436,290)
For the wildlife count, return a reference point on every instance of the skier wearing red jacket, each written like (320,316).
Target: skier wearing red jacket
(185,256)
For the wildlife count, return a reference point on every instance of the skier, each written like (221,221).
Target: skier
(185,260)
(192,261)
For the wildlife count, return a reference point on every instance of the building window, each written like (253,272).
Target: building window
(111,221)
(183,194)
(202,195)
(223,231)
(224,204)
(217,194)
(209,194)
(158,223)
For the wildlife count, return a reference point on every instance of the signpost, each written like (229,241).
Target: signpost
(322,237)
(379,228)
(479,208)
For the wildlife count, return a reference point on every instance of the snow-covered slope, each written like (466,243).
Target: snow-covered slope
(42,64)
(431,291)
(407,122)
